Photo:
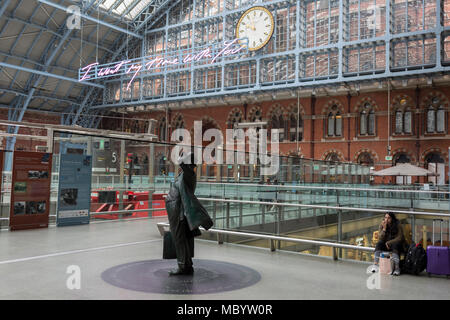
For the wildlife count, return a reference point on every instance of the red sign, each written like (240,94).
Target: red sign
(30,190)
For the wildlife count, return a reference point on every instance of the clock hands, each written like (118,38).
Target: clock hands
(253,23)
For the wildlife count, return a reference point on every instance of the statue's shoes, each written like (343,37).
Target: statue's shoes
(179,271)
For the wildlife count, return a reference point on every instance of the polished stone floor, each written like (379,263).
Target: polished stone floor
(45,263)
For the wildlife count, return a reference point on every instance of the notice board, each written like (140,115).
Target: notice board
(30,190)
(74,191)
(1,169)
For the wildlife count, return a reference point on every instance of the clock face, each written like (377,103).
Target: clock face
(257,25)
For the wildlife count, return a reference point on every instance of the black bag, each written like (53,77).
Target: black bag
(169,251)
(415,261)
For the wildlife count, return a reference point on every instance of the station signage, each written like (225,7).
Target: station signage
(74,191)
(30,190)
(207,55)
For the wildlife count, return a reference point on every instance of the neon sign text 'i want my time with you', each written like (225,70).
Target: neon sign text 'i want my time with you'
(134,66)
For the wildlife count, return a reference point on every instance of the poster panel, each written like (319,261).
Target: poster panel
(74,191)
(1,169)
(30,190)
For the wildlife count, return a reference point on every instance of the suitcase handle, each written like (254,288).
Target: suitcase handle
(440,228)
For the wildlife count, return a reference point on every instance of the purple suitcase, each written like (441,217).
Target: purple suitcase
(438,260)
(438,257)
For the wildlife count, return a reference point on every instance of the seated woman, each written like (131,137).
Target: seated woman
(390,239)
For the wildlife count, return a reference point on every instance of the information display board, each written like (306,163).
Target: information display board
(74,192)
(30,190)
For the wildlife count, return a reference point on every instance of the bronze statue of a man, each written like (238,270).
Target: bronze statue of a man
(186,214)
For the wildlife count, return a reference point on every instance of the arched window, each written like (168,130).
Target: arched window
(295,127)
(367,120)
(365,158)
(435,116)
(334,122)
(256,116)
(178,122)
(332,156)
(162,129)
(401,158)
(234,118)
(398,159)
(277,121)
(403,116)
(436,164)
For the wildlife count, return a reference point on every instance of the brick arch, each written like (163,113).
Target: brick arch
(338,152)
(231,115)
(326,108)
(277,109)
(290,109)
(160,116)
(427,99)
(206,119)
(434,149)
(403,150)
(398,98)
(364,100)
(294,153)
(372,153)
(175,119)
(253,111)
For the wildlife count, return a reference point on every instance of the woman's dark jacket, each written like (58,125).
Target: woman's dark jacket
(392,235)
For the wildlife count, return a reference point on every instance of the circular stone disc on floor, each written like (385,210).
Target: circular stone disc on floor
(209,276)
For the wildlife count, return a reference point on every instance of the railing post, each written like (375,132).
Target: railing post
(335,255)
(240,213)
(272,245)
(280,212)
(263,213)
(214,212)
(227,221)
(339,235)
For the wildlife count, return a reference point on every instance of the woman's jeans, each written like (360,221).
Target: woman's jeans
(396,249)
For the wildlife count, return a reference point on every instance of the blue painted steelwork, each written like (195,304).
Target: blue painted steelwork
(47,74)
(326,43)
(87,17)
(4,6)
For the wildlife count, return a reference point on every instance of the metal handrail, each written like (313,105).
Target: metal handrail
(321,188)
(325,207)
(161,226)
(110,212)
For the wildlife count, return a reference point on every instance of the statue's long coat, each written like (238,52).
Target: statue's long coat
(182,200)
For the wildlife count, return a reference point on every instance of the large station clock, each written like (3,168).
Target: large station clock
(257,25)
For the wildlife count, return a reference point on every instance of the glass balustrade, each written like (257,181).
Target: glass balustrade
(335,197)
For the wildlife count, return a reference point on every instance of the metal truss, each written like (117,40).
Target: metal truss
(154,8)
(52,49)
(88,17)
(315,43)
